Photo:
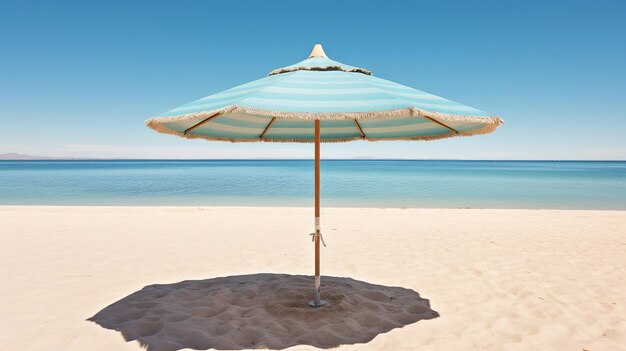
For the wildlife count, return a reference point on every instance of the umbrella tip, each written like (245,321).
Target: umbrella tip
(318,51)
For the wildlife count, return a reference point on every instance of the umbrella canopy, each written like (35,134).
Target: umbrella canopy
(321,100)
(349,101)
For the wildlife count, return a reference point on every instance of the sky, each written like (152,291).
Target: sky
(79,78)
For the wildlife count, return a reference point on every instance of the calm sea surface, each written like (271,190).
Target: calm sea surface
(354,183)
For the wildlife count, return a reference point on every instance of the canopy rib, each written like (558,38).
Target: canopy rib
(441,124)
(360,129)
(201,123)
(269,125)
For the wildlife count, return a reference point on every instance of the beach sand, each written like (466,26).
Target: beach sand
(421,279)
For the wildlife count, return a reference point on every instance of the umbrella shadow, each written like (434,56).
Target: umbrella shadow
(261,311)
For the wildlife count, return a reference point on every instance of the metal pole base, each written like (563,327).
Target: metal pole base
(319,303)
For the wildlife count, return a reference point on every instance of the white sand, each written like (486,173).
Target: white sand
(498,279)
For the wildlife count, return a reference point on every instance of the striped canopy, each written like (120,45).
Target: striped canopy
(350,103)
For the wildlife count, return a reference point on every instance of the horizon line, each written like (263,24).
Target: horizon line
(309,159)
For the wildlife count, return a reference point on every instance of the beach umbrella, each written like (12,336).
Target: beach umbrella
(321,100)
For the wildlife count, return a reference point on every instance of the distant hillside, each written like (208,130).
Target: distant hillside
(23,157)
(14,156)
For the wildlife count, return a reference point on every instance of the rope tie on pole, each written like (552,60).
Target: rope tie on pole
(318,233)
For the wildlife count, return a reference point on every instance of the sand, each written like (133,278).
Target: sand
(233,278)
(261,311)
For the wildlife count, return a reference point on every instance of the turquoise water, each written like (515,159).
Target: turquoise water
(346,183)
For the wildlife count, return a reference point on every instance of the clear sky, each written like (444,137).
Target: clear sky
(78,78)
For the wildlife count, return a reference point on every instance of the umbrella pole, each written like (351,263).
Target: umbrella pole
(316,302)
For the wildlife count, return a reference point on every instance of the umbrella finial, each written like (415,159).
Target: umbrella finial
(318,51)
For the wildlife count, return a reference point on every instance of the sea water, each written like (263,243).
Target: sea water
(344,183)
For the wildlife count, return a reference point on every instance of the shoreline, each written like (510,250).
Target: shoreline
(52,158)
(310,208)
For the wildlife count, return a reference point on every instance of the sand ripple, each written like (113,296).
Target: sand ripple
(261,311)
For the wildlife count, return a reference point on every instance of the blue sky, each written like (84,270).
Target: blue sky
(79,78)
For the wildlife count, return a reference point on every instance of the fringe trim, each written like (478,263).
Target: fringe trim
(401,112)
(323,68)
(485,130)
(491,122)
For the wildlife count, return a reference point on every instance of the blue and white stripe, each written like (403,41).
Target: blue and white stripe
(383,109)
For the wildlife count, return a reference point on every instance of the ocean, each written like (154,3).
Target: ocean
(345,183)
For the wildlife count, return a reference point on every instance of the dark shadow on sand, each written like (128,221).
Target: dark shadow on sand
(261,311)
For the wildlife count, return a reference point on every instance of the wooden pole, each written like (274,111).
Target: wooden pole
(317,197)
(316,302)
